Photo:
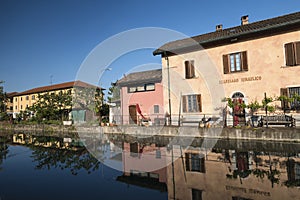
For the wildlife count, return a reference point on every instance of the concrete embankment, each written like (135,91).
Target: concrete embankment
(269,134)
(285,134)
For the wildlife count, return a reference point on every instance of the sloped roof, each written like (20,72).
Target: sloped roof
(151,76)
(54,87)
(234,34)
(11,94)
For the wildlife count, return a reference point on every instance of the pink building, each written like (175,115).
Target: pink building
(141,97)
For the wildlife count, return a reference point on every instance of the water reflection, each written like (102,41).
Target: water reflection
(62,153)
(3,150)
(246,170)
(233,169)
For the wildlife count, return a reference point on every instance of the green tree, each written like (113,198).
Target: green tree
(52,106)
(113,92)
(3,98)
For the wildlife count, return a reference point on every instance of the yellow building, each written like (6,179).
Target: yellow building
(22,100)
(242,62)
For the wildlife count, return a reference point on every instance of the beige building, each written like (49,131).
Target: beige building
(243,63)
(22,100)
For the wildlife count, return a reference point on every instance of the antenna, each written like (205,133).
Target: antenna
(51,79)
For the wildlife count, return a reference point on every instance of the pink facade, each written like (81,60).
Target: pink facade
(139,159)
(150,103)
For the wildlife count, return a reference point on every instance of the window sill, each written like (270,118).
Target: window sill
(236,72)
(196,77)
(287,66)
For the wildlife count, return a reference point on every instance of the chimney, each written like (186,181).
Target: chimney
(219,27)
(244,20)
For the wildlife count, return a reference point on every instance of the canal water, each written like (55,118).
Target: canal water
(129,167)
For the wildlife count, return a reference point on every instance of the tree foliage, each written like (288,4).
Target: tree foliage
(51,106)
(113,92)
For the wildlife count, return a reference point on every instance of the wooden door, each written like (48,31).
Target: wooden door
(132,114)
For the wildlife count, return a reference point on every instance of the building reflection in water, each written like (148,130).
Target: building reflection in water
(235,170)
(230,172)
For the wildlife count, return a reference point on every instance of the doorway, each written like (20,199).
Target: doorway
(132,114)
(238,109)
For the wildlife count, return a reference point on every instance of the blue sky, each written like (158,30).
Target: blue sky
(40,39)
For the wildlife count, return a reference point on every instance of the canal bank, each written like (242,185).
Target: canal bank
(269,134)
(283,134)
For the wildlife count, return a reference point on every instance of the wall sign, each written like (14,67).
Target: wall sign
(244,79)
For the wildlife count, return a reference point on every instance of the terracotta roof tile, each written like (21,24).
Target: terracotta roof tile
(255,29)
(54,87)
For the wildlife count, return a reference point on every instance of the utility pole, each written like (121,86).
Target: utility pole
(266,109)
(169,92)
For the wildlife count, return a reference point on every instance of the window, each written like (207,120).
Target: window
(16,107)
(27,98)
(196,194)
(150,87)
(32,97)
(156,108)
(158,154)
(189,69)
(293,92)
(134,149)
(235,62)
(131,89)
(16,99)
(21,107)
(141,88)
(21,98)
(292,53)
(191,103)
(195,162)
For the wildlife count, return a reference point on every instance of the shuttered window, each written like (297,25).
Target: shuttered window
(195,162)
(294,93)
(189,69)
(292,53)
(235,62)
(191,103)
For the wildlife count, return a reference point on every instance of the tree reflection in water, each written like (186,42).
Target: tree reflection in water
(74,161)
(3,150)
(271,173)
(54,152)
